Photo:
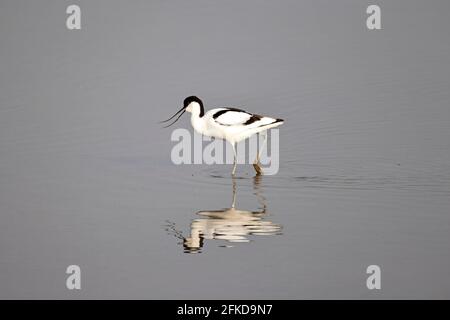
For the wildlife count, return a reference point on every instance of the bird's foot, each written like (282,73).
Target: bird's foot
(257,167)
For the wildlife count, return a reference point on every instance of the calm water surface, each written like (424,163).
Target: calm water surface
(86,176)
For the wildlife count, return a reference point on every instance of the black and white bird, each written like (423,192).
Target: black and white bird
(230,124)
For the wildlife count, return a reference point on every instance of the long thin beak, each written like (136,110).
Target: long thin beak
(182,110)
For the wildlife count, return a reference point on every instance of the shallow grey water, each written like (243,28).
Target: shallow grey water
(86,176)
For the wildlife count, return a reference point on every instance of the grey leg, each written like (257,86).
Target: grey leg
(257,163)
(235,160)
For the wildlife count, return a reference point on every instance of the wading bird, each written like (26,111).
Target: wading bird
(230,124)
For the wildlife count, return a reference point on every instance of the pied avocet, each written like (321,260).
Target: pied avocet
(230,124)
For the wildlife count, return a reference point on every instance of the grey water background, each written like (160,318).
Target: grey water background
(85,170)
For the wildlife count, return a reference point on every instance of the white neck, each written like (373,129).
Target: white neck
(196,121)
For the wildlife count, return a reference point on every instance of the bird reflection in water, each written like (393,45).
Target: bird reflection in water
(230,225)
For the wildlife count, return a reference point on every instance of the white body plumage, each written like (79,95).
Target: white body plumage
(230,124)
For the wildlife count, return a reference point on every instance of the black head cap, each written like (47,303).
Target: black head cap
(190,99)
